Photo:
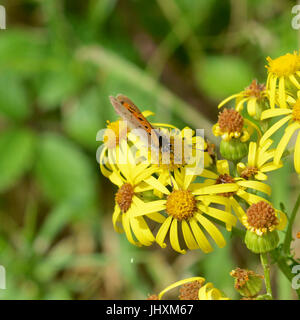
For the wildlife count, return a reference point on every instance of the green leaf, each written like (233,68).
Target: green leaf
(16,149)
(84,119)
(63,170)
(58,84)
(22,51)
(14,103)
(221,76)
(55,221)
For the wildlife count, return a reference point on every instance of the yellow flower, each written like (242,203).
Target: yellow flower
(116,131)
(181,148)
(262,218)
(258,162)
(254,96)
(129,177)
(187,150)
(194,289)
(188,213)
(283,74)
(292,117)
(232,125)
(262,223)
(223,178)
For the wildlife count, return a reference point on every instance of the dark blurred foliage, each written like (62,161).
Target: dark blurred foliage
(59,61)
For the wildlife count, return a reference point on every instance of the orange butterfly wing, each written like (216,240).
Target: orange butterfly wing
(129,112)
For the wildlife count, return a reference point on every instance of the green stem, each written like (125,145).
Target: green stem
(285,269)
(288,237)
(266,267)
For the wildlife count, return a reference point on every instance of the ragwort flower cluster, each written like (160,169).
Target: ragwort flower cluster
(175,205)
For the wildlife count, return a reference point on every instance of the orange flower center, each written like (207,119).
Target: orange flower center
(181,204)
(249,172)
(124,197)
(255,89)
(222,179)
(261,215)
(242,276)
(230,121)
(189,291)
(285,65)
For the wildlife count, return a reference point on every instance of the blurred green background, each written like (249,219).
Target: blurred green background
(59,62)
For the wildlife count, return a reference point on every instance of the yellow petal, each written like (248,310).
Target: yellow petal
(217,188)
(263,147)
(250,198)
(148,113)
(218,214)
(116,217)
(239,211)
(251,106)
(157,217)
(126,226)
(240,167)
(141,230)
(140,168)
(174,237)
(202,294)
(274,128)
(208,292)
(162,232)
(188,236)
(265,157)
(250,126)
(212,230)
(213,199)
(252,154)
(261,176)
(228,99)
(282,220)
(180,283)
(223,167)
(143,175)
(143,208)
(102,161)
(157,185)
(270,113)
(294,81)
(272,82)
(163,125)
(239,105)
(202,242)
(142,187)
(282,99)
(208,174)
(297,155)
(256,185)
(116,179)
(285,140)
(188,178)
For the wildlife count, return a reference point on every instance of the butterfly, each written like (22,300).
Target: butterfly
(165,145)
(129,112)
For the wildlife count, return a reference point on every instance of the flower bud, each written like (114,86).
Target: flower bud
(233,150)
(247,282)
(261,221)
(261,243)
